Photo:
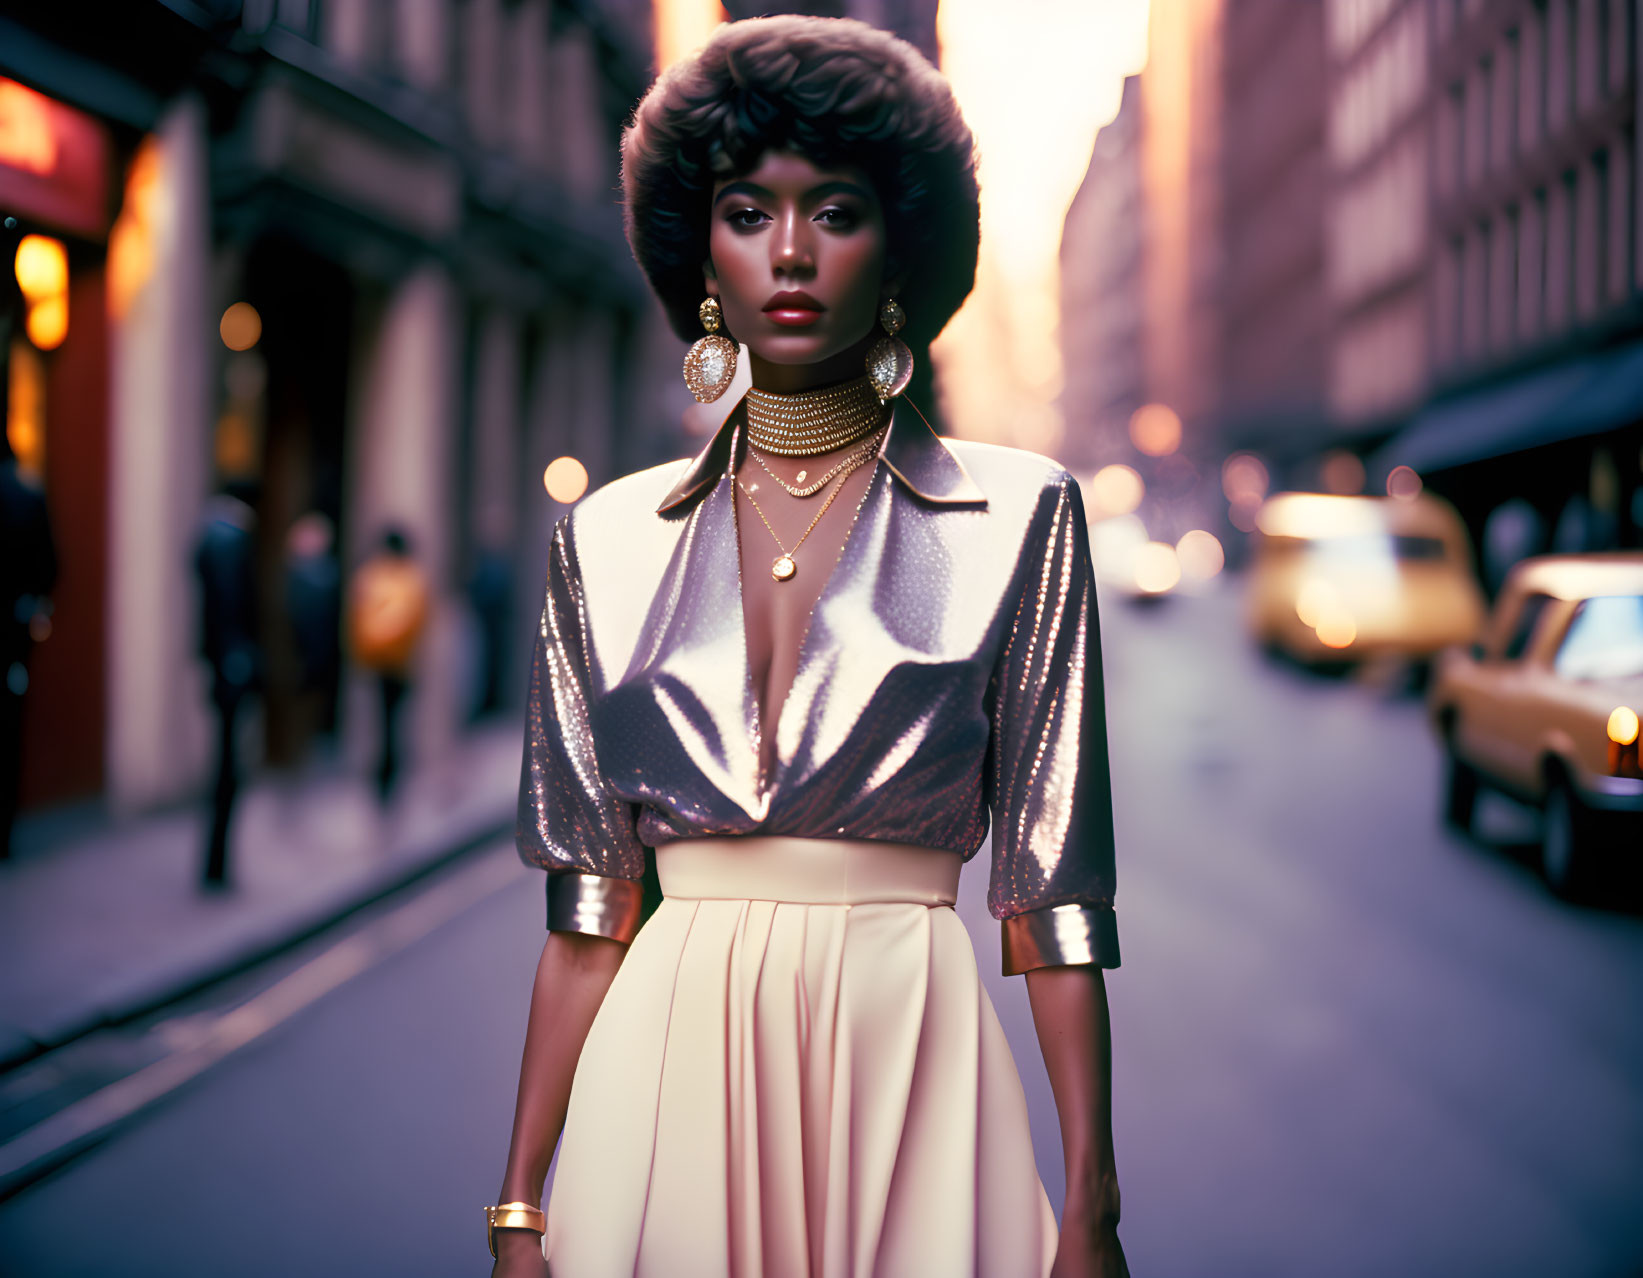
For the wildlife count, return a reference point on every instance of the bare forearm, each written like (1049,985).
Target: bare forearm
(1069,1006)
(572,976)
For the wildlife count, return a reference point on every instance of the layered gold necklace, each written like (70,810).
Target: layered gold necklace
(806,423)
(814,421)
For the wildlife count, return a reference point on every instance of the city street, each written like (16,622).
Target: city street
(1346,1042)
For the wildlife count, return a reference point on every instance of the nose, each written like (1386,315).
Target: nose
(790,247)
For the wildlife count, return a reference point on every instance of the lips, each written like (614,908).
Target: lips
(793,308)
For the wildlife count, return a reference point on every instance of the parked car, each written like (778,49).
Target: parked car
(1340,579)
(1546,709)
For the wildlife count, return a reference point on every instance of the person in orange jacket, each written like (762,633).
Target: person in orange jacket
(387,611)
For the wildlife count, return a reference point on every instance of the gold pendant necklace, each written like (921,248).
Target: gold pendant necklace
(785,566)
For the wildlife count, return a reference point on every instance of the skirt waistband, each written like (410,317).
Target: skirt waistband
(808,871)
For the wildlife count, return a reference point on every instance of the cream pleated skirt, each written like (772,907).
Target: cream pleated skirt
(797,1073)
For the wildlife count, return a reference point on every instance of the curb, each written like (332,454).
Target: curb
(57,1139)
(252,948)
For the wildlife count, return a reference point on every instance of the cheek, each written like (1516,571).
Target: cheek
(737,266)
(858,265)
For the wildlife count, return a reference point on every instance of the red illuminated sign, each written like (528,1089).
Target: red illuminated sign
(54,162)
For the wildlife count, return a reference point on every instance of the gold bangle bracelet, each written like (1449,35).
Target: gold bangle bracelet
(512,1216)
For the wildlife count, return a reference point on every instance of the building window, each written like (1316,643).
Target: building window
(1600,36)
(1511,87)
(1570,247)
(1451,297)
(1481,292)
(1618,43)
(1588,66)
(1487,142)
(379,35)
(1621,219)
(1556,257)
(1597,219)
(1532,38)
(1572,57)
(1477,123)
(1452,161)
(456,49)
(1558,64)
(1511,279)
(1531,270)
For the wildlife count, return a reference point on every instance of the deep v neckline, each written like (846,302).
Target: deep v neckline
(763,782)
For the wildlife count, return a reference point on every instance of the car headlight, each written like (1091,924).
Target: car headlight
(1336,628)
(1314,597)
(1623,761)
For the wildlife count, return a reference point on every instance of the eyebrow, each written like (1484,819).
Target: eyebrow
(834,186)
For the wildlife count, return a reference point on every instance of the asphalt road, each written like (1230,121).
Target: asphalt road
(1346,1043)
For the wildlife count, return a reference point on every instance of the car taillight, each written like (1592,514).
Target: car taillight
(1623,730)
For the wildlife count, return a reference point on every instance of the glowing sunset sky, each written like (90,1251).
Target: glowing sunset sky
(1036,80)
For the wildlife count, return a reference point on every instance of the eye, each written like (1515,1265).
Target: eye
(837,217)
(744,217)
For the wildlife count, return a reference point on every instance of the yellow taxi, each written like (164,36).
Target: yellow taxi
(1338,579)
(1546,706)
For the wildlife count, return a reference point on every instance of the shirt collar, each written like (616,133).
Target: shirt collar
(912,451)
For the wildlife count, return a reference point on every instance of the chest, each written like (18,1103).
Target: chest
(808,534)
(887,630)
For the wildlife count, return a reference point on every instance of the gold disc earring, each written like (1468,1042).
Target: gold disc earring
(889,362)
(710,363)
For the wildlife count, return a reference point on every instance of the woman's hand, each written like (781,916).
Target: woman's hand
(1089,1247)
(519,1255)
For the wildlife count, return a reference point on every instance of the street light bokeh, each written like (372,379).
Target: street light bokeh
(565,479)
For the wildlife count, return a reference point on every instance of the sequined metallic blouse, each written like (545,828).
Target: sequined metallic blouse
(951,673)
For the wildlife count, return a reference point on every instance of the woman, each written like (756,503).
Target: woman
(802,667)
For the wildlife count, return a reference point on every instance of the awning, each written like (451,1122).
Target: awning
(1611,399)
(1585,396)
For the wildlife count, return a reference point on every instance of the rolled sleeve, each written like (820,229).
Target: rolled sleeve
(570,824)
(595,904)
(1050,787)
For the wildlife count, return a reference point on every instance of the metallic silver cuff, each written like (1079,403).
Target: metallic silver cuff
(596,904)
(1061,935)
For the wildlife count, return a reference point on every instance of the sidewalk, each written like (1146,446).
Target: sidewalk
(106,923)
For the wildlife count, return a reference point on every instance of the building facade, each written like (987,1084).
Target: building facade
(1273,165)
(1141,262)
(1376,244)
(360,258)
(1534,287)
(1102,294)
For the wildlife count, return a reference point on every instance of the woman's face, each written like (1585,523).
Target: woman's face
(797,261)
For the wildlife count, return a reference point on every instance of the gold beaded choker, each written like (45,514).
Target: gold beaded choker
(814,421)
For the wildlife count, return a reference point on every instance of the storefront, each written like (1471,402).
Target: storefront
(57,179)
(1548,460)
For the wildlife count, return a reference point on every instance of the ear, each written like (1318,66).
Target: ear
(895,280)
(710,278)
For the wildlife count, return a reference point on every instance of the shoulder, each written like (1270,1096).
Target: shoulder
(1006,469)
(627,497)
(1018,483)
(612,538)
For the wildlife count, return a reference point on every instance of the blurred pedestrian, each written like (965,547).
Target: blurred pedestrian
(387,609)
(489,592)
(313,601)
(225,562)
(28,572)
